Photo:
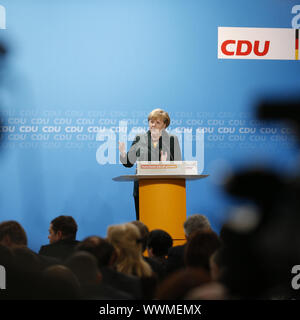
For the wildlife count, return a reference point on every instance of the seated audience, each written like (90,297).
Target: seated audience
(23,274)
(85,267)
(126,239)
(13,235)
(105,254)
(155,266)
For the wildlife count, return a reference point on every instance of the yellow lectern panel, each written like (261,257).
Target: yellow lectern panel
(163,206)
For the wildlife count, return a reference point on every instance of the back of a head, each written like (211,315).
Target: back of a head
(124,237)
(6,257)
(59,282)
(25,278)
(200,247)
(26,260)
(144,231)
(160,242)
(12,234)
(67,225)
(195,222)
(179,283)
(99,247)
(84,265)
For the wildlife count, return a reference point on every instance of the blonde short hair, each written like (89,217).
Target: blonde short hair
(160,114)
(126,238)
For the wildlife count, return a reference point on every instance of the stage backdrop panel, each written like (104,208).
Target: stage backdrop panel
(80,76)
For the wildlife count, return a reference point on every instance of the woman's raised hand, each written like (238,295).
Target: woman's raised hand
(122,149)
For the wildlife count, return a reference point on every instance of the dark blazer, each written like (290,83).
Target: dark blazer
(120,281)
(60,249)
(158,266)
(142,149)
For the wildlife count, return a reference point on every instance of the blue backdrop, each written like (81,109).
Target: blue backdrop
(75,69)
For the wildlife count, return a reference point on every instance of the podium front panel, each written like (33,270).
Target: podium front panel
(163,206)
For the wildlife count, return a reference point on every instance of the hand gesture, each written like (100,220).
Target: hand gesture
(122,149)
(163,156)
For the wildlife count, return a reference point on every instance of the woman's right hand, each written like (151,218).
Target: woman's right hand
(122,149)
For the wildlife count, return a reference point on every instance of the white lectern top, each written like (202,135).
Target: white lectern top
(136,177)
(166,170)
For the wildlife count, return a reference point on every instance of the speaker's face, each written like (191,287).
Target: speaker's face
(155,127)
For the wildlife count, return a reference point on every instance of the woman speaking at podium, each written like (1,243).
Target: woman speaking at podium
(154,145)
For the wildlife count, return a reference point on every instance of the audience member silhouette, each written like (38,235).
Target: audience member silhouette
(193,223)
(59,283)
(262,236)
(126,239)
(199,249)
(158,245)
(177,285)
(155,266)
(12,234)
(106,256)
(85,267)
(62,238)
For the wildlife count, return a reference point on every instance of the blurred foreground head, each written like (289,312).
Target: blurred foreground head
(283,110)
(261,239)
(3,54)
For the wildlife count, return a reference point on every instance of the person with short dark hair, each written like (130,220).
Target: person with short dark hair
(62,238)
(159,242)
(12,234)
(62,227)
(23,264)
(158,245)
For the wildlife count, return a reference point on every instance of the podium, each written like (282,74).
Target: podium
(162,200)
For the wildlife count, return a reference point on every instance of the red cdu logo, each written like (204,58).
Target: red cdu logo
(245,47)
(257,43)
